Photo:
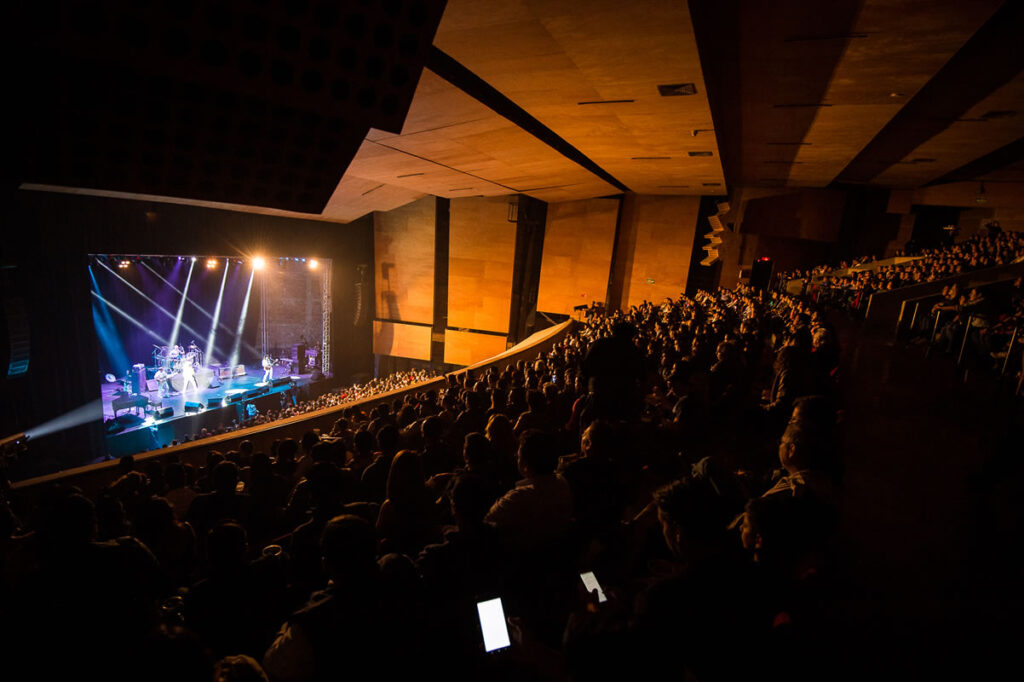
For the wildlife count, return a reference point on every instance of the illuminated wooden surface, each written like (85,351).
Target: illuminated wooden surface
(480,258)
(401,340)
(578,241)
(467,348)
(403,241)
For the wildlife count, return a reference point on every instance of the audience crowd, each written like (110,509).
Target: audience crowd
(982,251)
(684,452)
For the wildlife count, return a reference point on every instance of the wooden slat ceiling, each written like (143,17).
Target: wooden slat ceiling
(547,57)
(804,94)
(992,123)
(903,45)
(818,86)
(453,146)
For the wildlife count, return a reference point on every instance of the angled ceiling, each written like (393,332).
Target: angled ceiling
(334,110)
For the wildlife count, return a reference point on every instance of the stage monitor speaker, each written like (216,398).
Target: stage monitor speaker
(761,273)
(192,407)
(280,381)
(164,413)
(235,398)
(240,371)
(256,393)
(213,402)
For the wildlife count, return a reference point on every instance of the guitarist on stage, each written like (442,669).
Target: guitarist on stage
(268,368)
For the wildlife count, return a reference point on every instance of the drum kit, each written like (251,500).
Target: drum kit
(172,357)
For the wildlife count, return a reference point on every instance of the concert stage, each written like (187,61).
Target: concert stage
(145,421)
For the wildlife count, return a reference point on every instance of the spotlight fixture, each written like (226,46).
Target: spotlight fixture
(258,263)
(124,263)
(193,259)
(211,263)
(313,263)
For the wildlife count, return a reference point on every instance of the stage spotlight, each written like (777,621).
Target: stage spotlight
(258,263)
(211,263)
(313,263)
(123,265)
(193,259)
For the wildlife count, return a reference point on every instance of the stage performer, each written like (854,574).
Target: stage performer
(162,379)
(268,368)
(188,374)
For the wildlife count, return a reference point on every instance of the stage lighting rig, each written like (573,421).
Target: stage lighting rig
(258,263)
(313,263)
(211,263)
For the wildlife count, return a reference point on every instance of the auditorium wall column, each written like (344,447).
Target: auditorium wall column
(622,253)
(654,239)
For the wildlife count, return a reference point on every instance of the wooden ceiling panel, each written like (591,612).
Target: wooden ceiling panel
(450,140)
(383,164)
(547,57)
(992,123)
(1011,173)
(355,197)
(892,49)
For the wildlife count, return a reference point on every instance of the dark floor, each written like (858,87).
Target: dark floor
(932,512)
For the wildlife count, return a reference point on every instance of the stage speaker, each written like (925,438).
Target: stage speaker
(152,386)
(213,402)
(240,371)
(236,398)
(164,413)
(256,393)
(224,372)
(761,273)
(280,381)
(192,407)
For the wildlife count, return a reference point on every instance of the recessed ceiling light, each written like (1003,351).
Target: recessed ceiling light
(677,89)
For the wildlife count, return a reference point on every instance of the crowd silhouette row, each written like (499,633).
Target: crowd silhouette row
(685,452)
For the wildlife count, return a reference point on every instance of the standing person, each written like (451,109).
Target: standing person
(162,379)
(188,374)
(268,368)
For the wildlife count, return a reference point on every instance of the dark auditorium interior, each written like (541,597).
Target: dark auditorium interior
(512,339)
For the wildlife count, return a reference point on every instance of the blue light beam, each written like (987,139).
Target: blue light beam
(159,307)
(90,412)
(198,307)
(128,317)
(181,307)
(241,323)
(216,316)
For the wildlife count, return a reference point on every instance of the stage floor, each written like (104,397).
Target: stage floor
(138,417)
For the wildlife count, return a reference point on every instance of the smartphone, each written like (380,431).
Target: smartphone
(493,625)
(590,582)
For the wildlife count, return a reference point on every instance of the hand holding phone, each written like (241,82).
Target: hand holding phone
(590,582)
(493,625)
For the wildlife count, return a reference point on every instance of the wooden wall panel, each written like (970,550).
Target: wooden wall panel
(665,229)
(466,348)
(403,241)
(578,241)
(480,257)
(401,340)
